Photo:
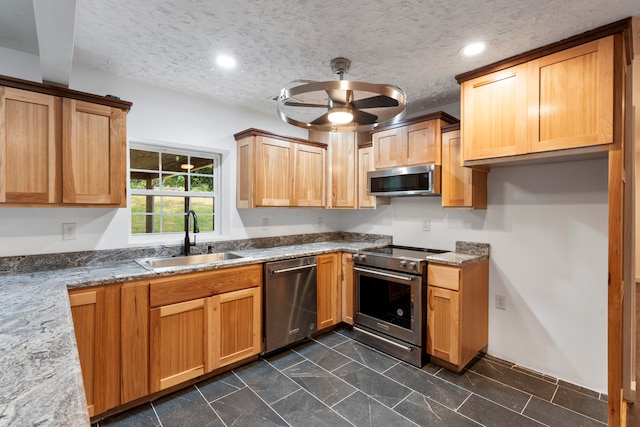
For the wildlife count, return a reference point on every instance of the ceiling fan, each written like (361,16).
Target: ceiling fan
(340,105)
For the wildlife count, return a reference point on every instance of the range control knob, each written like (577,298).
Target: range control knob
(403,263)
(413,265)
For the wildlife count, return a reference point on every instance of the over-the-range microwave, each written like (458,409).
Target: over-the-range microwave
(423,180)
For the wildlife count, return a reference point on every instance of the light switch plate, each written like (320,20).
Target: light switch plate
(425,224)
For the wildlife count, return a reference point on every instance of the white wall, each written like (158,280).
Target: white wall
(547,226)
(20,65)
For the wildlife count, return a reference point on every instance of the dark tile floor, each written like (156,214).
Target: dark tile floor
(336,381)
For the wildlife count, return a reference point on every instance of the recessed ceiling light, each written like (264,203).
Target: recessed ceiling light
(226,61)
(472,49)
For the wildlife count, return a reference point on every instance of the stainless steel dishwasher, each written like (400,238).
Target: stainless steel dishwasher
(290,301)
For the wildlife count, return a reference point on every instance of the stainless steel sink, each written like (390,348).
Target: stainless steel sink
(159,263)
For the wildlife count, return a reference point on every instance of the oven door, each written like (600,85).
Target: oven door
(390,302)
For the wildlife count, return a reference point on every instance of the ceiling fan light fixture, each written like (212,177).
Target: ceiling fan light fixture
(340,115)
(340,105)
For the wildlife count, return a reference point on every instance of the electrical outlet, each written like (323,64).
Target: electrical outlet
(265,223)
(425,224)
(501,302)
(320,221)
(69,231)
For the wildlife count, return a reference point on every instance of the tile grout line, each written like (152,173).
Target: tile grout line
(524,408)
(156,413)
(209,403)
(356,388)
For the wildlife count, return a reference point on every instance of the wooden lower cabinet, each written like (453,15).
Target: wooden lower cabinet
(180,342)
(346,288)
(329,312)
(239,334)
(457,313)
(134,338)
(96,321)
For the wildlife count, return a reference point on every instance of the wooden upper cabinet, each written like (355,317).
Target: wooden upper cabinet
(554,99)
(413,142)
(29,141)
(93,153)
(273,172)
(573,102)
(308,175)
(494,114)
(276,171)
(341,173)
(461,186)
(58,148)
(388,148)
(422,143)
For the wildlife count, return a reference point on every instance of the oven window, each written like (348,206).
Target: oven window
(387,301)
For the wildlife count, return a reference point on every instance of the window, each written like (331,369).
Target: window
(166,182)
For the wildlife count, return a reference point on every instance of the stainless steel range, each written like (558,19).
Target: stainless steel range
(390,300)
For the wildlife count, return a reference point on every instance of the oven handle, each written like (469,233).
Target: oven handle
(285,270)
(380,273)
(404,347)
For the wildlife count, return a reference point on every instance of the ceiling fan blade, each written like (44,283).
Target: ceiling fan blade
(301,104)
(322,120)
(364,118)
(375,102)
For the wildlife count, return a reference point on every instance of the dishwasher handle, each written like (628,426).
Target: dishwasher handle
(286,270)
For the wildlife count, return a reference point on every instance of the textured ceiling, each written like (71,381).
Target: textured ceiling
(409,43)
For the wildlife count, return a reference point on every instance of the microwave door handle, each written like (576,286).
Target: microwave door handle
(380,273)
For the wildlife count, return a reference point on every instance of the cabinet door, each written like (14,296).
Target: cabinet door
(238,321)
(343,170)
(388,148)
(328,272)
(461,186)
(93,153)
(347,289)
(180,342)
(245,173)
(422,143)
(571,97)
(308,170)
(135,340)
(29,140)
(96,321)
(494,114)
(273,172)
(443,324)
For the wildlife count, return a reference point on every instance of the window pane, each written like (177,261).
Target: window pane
(203,184)
(172,223)
(173,205)
(202,205)
(143,224)
(174,182)
(147,160)
(175,162)
(143,204)
(202,166)
(205,222)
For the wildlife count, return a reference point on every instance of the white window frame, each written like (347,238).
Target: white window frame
(165,147)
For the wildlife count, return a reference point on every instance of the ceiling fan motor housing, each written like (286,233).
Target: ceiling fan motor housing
(340,66)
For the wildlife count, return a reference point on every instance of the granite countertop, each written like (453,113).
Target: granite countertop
(41,378)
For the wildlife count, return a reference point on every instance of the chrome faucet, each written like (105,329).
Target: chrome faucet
(187,242)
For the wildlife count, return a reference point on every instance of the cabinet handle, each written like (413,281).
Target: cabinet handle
(285,270)
(380,273)
(404,347)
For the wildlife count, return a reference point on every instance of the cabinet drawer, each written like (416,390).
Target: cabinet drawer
(444,276)
(185,287)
